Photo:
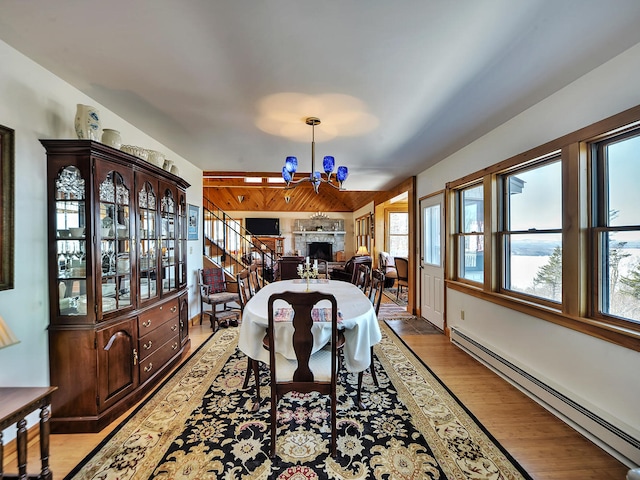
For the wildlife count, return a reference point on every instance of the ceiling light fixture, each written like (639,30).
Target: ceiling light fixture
(316,178)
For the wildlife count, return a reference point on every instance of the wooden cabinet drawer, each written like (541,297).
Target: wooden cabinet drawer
(154,362)
(158,337)
(156,316)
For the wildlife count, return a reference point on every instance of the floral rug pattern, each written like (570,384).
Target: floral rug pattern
(199,425)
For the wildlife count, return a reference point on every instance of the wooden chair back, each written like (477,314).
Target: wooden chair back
(402,267)
(307,373)
(244,287)
(255,280)
(377,287)
(363,274)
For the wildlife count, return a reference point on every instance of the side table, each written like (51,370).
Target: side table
(15,404)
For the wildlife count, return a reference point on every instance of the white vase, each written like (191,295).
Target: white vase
(87,122)
(112,138)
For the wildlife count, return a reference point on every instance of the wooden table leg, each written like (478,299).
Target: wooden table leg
(45,473)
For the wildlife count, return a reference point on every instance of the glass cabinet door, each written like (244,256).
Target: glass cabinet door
(71,243)
(181,245)
(115,244)
(168,240)
(148,242)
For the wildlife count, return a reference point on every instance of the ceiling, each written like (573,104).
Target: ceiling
(398,85)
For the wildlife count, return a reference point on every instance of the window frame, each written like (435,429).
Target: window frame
(461,235)
(388,235)
(600,224)
(576,310)
(503,231)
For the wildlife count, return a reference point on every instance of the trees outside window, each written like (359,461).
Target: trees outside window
(616,163)
(531,236)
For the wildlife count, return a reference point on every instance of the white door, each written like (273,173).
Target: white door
(431,259)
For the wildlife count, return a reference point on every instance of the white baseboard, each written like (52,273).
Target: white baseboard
(609,437)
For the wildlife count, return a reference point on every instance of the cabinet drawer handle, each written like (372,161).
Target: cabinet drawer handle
(175,346)
(147,323)
(174,309)
(148,368)
(174,328)
(147,346)
(135,356)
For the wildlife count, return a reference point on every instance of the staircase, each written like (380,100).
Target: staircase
(228,245)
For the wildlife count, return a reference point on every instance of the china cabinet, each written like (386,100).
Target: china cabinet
(117,280)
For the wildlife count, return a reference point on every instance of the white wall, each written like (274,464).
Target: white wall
(601,376)
(37,104)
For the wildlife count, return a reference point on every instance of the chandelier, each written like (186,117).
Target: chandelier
(316,178)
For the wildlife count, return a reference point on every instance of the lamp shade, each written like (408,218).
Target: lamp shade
(291,164)
(362,250)
(328,163)
(6,335)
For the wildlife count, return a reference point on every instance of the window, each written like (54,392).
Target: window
(617,226)
(398,234)
(431,247)
(554,232)
(531,236)
(470,228)
(364,226)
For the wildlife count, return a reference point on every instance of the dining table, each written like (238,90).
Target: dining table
(356,317)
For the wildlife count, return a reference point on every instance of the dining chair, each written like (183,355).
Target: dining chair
(375,295)
(308,372)
(402,269)
(323,269)
(214,291)
(362,277)
(246,293)
(255,280)
(244,287)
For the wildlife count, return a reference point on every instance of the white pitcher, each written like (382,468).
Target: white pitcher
(87,122)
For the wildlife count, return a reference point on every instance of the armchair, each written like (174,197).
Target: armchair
(349,272)
(388,267)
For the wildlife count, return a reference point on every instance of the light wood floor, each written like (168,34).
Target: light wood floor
(546,447)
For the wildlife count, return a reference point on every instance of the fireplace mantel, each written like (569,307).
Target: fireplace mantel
(318,232)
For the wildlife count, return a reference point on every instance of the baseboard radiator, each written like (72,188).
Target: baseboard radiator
(609,437)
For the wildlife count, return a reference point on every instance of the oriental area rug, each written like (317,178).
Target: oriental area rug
(392,294)
(199,425)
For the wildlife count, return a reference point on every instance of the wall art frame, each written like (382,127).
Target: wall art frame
(7,162)
(193,212)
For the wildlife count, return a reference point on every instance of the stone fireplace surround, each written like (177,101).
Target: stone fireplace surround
(318,230)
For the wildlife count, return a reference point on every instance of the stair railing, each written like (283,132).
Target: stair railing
(231,246)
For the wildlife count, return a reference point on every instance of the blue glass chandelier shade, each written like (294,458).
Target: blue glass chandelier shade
(328,164)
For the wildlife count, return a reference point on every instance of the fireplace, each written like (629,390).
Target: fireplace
(320,250)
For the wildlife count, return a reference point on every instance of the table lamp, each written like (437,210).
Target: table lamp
(7,337)
(362,250)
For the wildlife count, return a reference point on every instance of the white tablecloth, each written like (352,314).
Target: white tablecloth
(361,329)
